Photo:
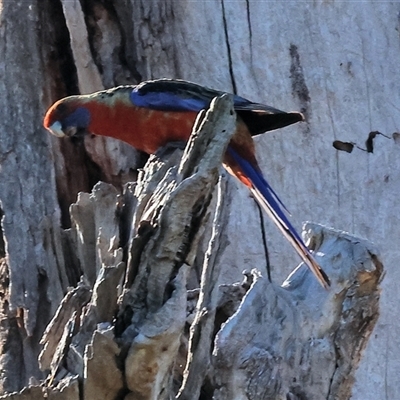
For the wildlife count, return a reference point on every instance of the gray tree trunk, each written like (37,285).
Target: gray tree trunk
(291,342)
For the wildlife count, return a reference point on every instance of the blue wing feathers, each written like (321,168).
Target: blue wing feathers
(270,202)
(166,101)
(166,95)
(265,189)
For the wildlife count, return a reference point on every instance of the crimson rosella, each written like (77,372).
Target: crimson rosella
(154,113)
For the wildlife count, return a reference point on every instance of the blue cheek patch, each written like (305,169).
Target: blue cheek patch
(166,101)
(79,118)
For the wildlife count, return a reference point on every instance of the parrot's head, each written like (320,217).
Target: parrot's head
(67,117)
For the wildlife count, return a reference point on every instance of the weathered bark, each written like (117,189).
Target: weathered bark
(152,310)
(33,271)
(39,177)
(325,64)
(255,340)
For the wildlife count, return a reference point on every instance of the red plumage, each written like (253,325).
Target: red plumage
(147,130)
(154,113)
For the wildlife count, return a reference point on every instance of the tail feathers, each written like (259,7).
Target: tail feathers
(292,236)
(259,181)
(260,121)
(270,202)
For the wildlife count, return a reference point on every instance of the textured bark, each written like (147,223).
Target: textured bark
(129,337)
(33,269)
(142,345)
(328,64)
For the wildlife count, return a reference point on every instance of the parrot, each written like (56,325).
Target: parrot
(157,112)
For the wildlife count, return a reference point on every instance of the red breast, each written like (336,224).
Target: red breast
(148,130)
(145,129)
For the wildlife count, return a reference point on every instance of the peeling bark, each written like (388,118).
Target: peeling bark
(129,328)
(139,334)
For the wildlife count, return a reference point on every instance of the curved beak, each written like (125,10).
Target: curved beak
(56,129)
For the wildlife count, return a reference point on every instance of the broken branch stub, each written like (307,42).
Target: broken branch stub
(304,341)
(183,201)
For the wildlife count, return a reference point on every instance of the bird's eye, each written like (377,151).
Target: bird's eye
(56,129)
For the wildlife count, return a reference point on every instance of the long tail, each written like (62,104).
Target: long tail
(271,204)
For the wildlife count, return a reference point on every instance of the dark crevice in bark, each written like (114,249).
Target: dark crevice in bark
(337,357)
(80,173)
(10,348)
(58,60)
(128,56)
(228,47)
(264,242)
(250,28)
(296,393)
(44,312)
(197,221)
(13,362)
(207,390)
(2,244)
(299,86)
(73,267)
(107,43)
(4,280)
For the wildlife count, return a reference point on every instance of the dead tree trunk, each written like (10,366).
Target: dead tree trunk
(131,330)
